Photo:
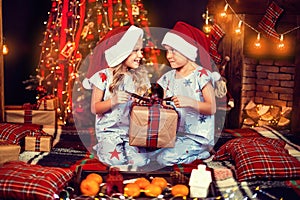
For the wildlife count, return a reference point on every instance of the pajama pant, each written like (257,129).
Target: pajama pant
(185,151)
(114,149)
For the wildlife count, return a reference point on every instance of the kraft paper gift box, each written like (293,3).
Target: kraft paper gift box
(8,152)
(152,126)
(38,143)
(48,104)
(16,114)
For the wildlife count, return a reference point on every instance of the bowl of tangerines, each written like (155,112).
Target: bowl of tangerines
(94,186)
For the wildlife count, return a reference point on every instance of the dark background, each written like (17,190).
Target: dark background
(23,27)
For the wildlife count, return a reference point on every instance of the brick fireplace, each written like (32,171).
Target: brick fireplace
(269,84)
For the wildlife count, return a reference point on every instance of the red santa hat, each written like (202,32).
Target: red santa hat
(112,50)
(189,41)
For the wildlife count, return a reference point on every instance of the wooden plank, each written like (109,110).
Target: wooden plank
(232,46)
(295,128)
(254,6)
(2,117)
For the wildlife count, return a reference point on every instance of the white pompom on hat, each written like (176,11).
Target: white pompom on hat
(189,41)
(112,50)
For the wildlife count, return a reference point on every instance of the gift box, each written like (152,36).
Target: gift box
(152,126)
(38,143)
(8,152)
(17,114)
(50,103)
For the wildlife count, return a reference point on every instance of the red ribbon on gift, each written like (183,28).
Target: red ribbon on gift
(37,143)
(154,103)
(153,125)
(44,101)
(28,113)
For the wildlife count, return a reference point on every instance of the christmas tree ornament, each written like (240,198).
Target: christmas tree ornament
(135,10)
(68,49)
(267,23)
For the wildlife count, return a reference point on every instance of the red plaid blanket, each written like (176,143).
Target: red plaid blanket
(19,180)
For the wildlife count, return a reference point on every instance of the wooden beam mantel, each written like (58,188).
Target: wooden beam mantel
(254,7)
(2,117)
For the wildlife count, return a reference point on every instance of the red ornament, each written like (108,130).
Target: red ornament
(140,5)
(99,18)
(105,4)
(144,22)
(116,23)
(147,49)
(114,181)
(120,14)
(90,36)
(56,38)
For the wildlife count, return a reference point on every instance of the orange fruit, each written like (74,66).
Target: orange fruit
(89,187)
(160,181)
(132,190)
(142,182)
(96,177)
(152,190)
(180,190)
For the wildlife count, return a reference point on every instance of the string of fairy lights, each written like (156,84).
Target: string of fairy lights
(257,43)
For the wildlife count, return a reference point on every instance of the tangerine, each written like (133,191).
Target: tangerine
(180,190)
(89,187)
(152,190)
(132,190)
(160,181)
(142,182)
(96,177)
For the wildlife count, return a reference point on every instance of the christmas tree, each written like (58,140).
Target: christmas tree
(73,29)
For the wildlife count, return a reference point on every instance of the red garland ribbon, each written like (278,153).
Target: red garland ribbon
(110,12)
(129,8)
(62,42)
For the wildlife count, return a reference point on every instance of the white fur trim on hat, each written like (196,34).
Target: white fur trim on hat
(120,51)
(181,45)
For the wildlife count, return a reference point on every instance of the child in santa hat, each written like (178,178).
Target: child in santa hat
(114,70)
(190,84)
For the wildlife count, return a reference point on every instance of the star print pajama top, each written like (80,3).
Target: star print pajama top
(112,127)
(196,131)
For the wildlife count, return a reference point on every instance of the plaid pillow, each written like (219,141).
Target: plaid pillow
(19,180)
(13,132)
(259,158)
(242,132)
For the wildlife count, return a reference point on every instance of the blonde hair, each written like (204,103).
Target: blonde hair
(139,77)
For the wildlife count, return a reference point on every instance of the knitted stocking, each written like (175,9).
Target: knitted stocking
(267,23)
(215,36)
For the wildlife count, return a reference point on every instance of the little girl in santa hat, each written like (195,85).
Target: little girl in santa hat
(190,84)
(115,68)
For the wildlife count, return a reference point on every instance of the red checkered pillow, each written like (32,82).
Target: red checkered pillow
(13,132)
(19,180)
(259,158)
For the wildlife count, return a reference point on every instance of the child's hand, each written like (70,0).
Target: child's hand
(183,101)
(119,97)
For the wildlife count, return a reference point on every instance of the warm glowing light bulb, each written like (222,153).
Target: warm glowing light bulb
(238,29)
(281,45)
(257,43)
(5,49)
(224,14)
(206,27)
